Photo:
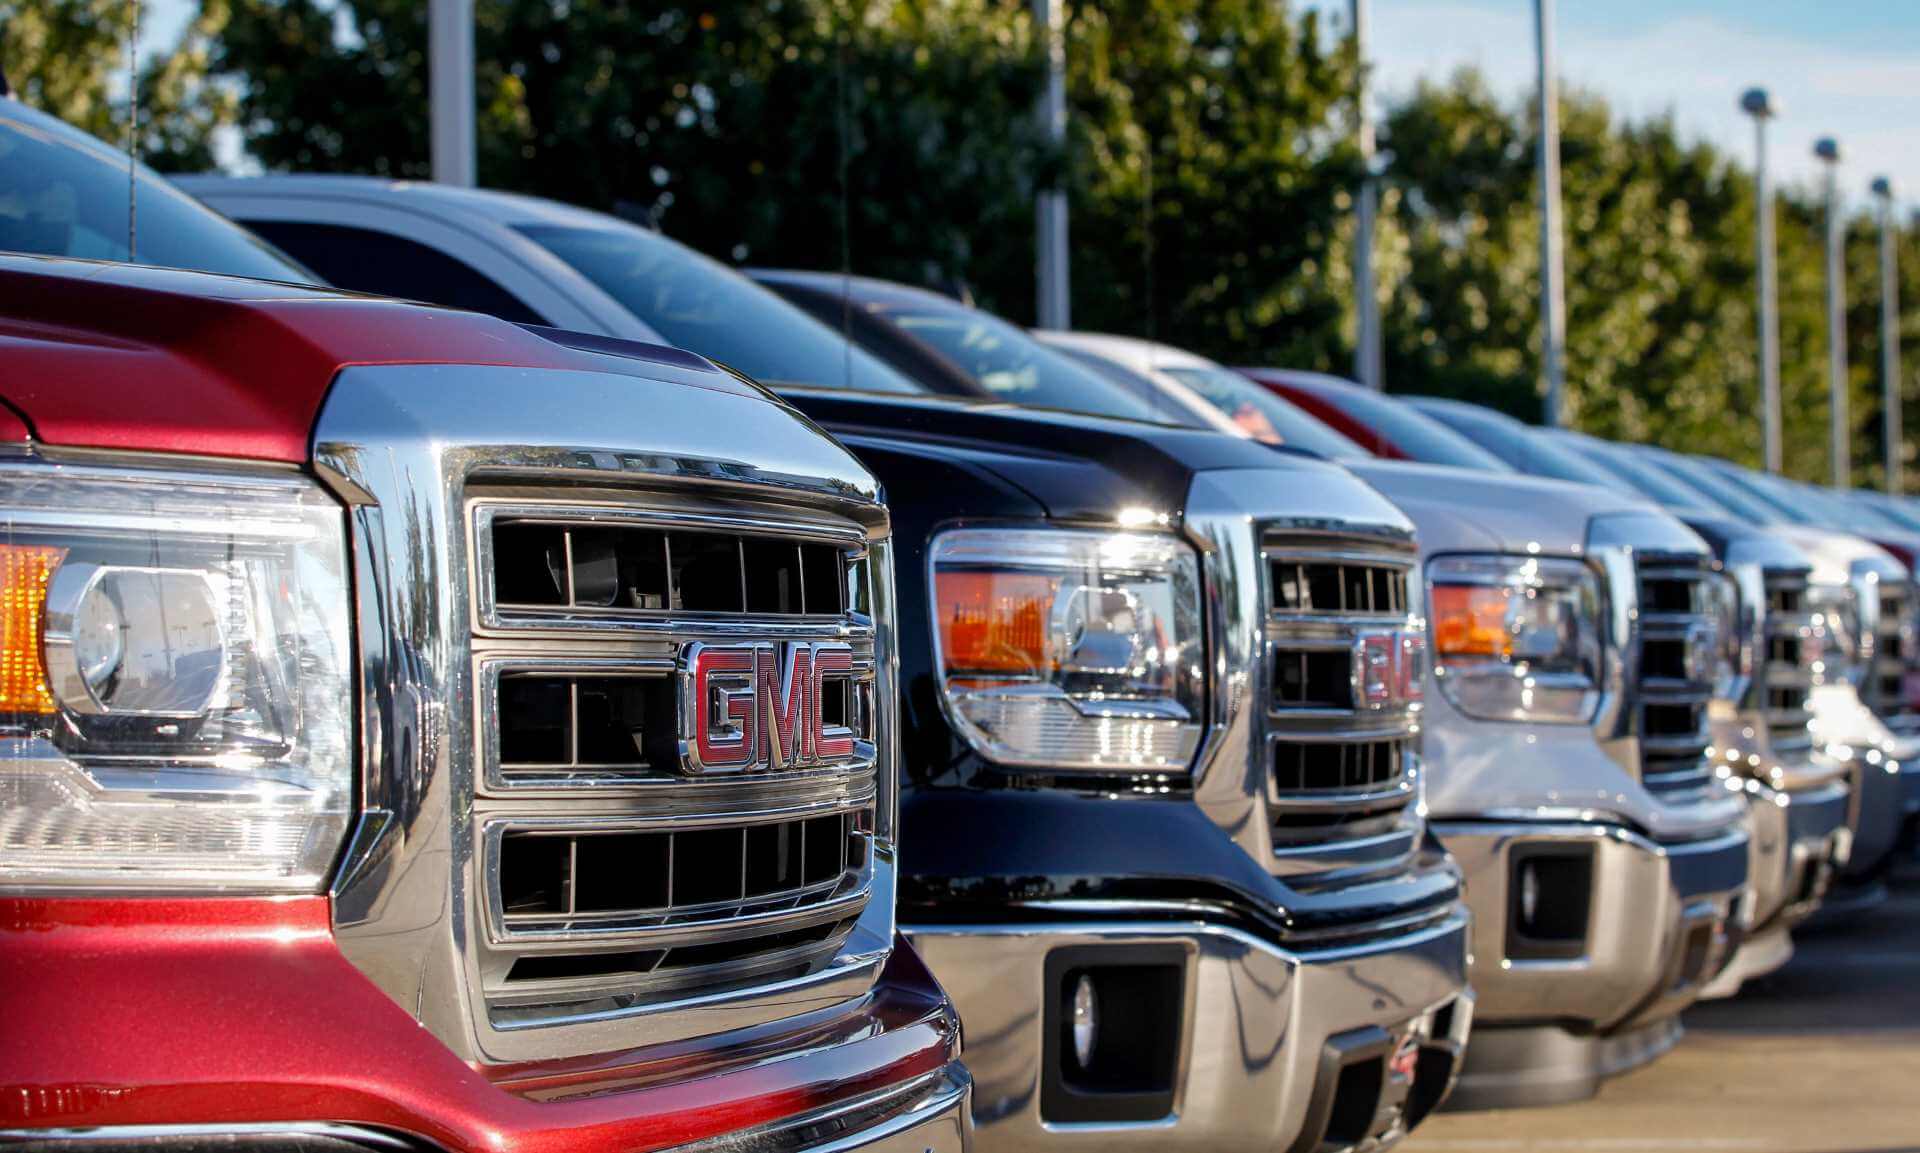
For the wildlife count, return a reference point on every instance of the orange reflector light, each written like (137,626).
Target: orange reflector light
(24,572)
(1471,621)
(994,622)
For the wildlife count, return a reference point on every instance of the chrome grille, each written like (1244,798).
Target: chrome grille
(618,867)
(1344,661)
(1895,657)
(1676,669)
(1786,677)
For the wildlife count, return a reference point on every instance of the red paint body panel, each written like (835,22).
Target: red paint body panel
(1325,408)
(131,357)
(235,1010)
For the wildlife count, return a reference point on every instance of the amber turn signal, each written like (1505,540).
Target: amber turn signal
(24,573)
(994,622)
(1471,621)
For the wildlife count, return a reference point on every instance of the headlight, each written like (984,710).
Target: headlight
(1070,649)
(1516,638)
(174,680)
(1835,619)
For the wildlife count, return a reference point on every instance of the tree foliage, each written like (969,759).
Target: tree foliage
(1661,266)
(1214,164)
(69,58)
(1210,170)
(722,123)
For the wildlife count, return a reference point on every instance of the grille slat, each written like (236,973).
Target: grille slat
(1341,587)
(673,872)
(540,566)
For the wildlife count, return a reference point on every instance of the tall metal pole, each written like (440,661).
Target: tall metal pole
(1889,334)
(1757,104)
(1553,304)
(1367,355)
(450,90)
(1839,423)
(1051,271)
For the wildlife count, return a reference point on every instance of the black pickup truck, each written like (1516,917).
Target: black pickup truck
(1158,689)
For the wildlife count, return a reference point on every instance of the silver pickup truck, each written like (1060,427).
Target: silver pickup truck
(1573,633)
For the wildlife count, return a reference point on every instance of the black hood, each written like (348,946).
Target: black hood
(1073,467)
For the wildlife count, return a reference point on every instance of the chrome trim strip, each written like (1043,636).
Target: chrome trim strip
(358,1134)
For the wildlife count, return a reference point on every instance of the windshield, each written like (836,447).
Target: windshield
(63,193)
(1413,432)
(703,306)
(1263,415)
(1651,481)
(1712,483)
(1016,367)
(1524,447)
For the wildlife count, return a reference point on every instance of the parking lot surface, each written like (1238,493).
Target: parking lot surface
(1822,1057)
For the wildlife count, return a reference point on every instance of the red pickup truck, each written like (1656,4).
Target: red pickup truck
(422,732)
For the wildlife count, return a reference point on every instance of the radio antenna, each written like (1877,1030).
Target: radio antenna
(846,210)
(133,123)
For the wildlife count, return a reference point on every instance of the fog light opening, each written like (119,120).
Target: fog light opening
(1085,1015)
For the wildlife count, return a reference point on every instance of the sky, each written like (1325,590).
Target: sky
(1849,69)
(1843,68)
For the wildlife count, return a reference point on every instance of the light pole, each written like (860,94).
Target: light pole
(1757,104)
(1052,288)
(1827,151)
(1553,304)
(450,90)
(1366,351)
(1889,333)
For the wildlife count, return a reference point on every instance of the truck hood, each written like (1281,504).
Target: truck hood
(132,357)
(1738,542)
(1460,510)
(1072,467)
(1834,554)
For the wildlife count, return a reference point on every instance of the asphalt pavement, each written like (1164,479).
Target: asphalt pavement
(1821,1057)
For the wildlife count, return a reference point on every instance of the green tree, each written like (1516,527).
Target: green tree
(65,56)
(1214,155)
(720,122)
(1661,330)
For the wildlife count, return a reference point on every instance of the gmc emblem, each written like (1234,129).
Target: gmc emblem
(759,706)
(1387,668)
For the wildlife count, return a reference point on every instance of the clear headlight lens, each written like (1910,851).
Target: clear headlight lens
(1516,638)
(1071,649)
(175,683)
(1835,618)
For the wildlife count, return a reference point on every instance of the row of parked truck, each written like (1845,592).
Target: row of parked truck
(618,702)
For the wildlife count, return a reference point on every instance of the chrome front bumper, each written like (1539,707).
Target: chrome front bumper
(1263,1040)
(1800,843)
(1658,930)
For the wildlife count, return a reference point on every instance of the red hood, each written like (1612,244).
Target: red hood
(131,357)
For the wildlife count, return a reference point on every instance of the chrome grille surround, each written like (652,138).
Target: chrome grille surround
(1675,685)
(1311,838)
(428,458)
(1340,766)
